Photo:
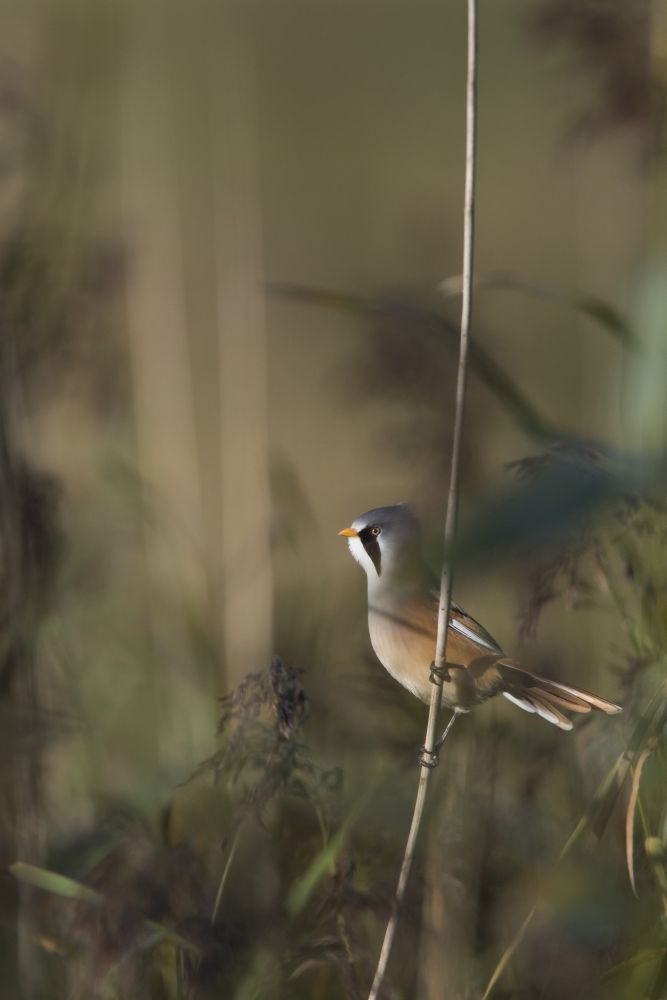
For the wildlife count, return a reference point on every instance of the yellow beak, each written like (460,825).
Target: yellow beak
(349,533)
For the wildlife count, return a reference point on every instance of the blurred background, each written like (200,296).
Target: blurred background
(229,277)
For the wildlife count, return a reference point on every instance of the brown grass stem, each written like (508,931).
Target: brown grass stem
(225,873)
(452,498)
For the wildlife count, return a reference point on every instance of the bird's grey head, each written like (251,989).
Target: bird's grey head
(384,541)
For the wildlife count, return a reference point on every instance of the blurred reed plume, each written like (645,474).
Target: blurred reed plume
(148,917)
(614,43)
(261,723)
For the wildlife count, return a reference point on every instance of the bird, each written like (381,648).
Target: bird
(403,620)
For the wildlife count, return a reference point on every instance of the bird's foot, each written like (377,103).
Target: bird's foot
(428,758)
(439,674)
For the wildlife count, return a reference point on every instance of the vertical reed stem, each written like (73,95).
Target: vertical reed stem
(453,496)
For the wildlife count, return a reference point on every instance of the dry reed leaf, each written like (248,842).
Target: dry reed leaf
(507,954)
(630,812)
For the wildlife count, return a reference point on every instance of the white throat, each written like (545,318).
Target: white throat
(356,547)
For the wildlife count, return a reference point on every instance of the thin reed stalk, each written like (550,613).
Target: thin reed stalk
(452,501)
(225,873)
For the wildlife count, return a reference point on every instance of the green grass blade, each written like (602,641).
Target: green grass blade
(57,885)
(489,371)
(69,888)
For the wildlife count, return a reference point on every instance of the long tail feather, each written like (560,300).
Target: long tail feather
(549,699)
(547,710)
(578,695)
(523,703)
(566,702)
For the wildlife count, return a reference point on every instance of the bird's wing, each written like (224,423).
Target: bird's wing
(463,623)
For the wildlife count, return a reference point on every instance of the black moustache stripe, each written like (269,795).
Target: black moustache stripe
(370,543)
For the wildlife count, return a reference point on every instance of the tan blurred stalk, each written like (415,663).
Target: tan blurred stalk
(194,308)
(156,314)
(452,868)
(244,444)
(161,368)
(215,123)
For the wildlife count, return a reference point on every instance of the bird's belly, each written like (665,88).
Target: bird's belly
(407,654)
(407,657)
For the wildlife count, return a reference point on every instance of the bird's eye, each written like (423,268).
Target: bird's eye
(375,530)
